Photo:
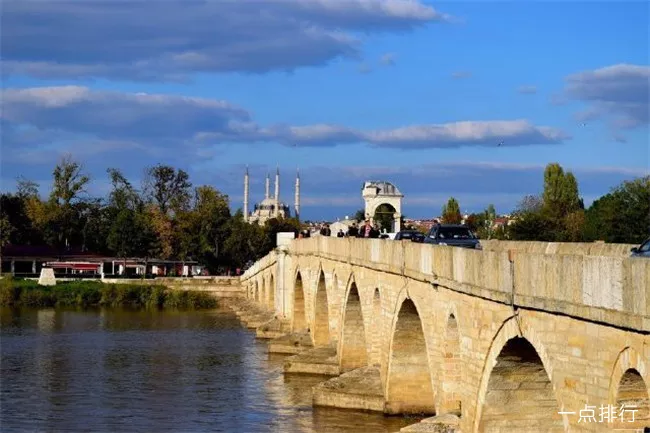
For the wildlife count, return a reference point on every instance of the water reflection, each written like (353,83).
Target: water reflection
(142,371)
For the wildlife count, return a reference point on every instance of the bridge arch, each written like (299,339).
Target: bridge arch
(384,215)
(409,385)
(299,320)
(630,386)
(352,348)
(256,296)
(321,328)
(516,369)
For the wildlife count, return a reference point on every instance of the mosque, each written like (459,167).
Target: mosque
(270,207)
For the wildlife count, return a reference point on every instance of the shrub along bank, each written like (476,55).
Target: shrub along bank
(27,293)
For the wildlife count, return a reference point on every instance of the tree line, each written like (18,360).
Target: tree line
(559,213)
(167,217)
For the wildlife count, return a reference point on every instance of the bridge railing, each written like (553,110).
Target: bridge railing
(614,290)
(263,263)
(572,248)
(607,289)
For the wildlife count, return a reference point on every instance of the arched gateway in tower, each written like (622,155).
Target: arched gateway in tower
(383,204)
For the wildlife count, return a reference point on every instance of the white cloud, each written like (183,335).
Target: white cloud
(170,39)
(118,115)
(618,94)
(170,121)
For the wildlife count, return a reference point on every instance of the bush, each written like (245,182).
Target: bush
(94,293)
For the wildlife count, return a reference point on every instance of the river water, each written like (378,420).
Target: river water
(116,370)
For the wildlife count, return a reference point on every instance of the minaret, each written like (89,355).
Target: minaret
(277,192)
(246,195)
(297,197)
(268,186)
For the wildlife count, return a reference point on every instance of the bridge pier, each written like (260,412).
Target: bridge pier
(250,314)
(359,389)
(319,360)
(436,424)
(273,328)
(291,344)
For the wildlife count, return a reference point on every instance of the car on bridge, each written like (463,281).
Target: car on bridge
(643,250)
(409,235)
(454,235)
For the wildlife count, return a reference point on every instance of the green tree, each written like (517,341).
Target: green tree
(557,216)
(123,195)
(273,226)
(95,223)
(532,226)
(163,228)
(560,195)
(574,226)
(623,215)
(6,229)
(451,212)
(123,234)
(168,188)
(63,207)
(486,230)
(213,212)
(245,241)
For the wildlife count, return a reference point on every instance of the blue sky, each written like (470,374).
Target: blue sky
(463,99)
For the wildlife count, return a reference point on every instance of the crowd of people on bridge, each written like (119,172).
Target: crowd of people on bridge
(366,230)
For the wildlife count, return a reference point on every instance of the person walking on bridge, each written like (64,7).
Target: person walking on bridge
(366,230)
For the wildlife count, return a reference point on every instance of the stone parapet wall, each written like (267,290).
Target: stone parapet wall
(614,290)
(259,266)
(604,289)
(578,248)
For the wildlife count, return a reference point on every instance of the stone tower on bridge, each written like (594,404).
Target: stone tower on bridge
(381,199)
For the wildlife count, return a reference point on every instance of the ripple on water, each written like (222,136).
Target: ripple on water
(121,370)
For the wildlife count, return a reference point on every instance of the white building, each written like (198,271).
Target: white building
(271,206)
(341,225)
(378,193)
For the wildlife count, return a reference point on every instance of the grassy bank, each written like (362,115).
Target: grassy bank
(93,293)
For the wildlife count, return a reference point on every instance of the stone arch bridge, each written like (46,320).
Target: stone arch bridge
(504,339)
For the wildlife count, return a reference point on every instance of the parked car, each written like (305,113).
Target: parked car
(455,235)
(410,235)
(643,250)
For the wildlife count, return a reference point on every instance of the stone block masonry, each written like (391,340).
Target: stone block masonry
(219,287)
(515,338)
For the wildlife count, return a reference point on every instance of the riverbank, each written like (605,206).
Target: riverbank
(27,293)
